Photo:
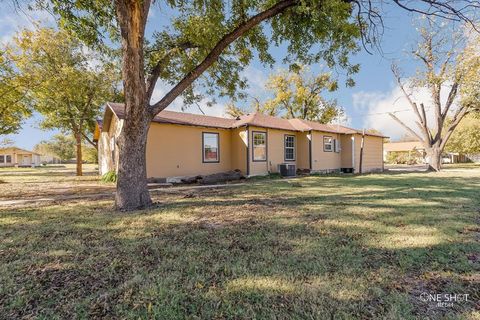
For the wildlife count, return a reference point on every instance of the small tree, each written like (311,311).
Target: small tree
(297,94)
(64,81)
(6,142)
(466,138)
(60,145)
(446,62)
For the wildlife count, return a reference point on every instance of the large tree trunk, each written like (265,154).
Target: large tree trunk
(78,139)
(434,154)
(132,192)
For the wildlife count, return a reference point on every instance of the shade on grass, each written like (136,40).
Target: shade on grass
(337,247)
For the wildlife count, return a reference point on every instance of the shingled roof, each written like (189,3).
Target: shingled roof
(251,119)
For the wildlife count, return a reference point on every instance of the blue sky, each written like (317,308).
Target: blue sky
(365,104)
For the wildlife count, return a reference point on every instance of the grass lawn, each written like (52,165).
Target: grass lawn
(323,247)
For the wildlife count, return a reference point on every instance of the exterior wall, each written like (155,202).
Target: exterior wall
(372,154)
(9,152)
(239,149)
(346,154)
(107,162)
(176,151)
(257,167)
(276,151)
(324,160)
(303,150)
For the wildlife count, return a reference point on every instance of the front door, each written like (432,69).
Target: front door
(27,160)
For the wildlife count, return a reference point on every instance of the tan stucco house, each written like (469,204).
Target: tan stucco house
(182,144)
(17,157)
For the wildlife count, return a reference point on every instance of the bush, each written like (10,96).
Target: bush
(110,176)
(401,157)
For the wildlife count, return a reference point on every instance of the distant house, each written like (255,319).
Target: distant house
(415,150)
(17,157)
(182,144)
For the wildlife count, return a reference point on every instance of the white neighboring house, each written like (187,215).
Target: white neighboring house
(17,157)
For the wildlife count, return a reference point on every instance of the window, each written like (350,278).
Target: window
(2,158)
(210,147)
(8,159)
(289,148)
(327,144)
(259,146)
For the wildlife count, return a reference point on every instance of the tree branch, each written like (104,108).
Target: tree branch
(459,115)
(451,97)
(217,51)
(89,140)
(155,73)
(406,127)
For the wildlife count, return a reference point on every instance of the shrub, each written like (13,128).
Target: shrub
(110,176)
(401,157)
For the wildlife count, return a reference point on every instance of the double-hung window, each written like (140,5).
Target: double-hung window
(2,159)
(210,147)
(327,144)
(289,148)
(259,146)
(8,158)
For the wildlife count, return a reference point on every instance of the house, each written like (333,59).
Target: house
(182,144)
(17,157)
(414,152)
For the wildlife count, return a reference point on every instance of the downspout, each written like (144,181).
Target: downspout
(362,145)
(248,158)
(383,157)
(266,151)
(310,150)
(353,152)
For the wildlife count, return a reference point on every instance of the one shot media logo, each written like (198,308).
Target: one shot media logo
(444,300)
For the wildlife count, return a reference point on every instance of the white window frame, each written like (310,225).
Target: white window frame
(217,159)
(259,146)
(285,147)
(328,144)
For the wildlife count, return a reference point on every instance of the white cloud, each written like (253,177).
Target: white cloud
(373,108)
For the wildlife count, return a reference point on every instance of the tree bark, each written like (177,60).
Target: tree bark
(78,139)
(132,191)
(435,158)
(132,188)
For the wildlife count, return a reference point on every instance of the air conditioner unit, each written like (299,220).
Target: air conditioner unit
(287,170)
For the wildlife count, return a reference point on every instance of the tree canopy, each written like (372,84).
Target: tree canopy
(449,60)
(64,80)
(60,145)
(466,138)
(13,104)
(297,94)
